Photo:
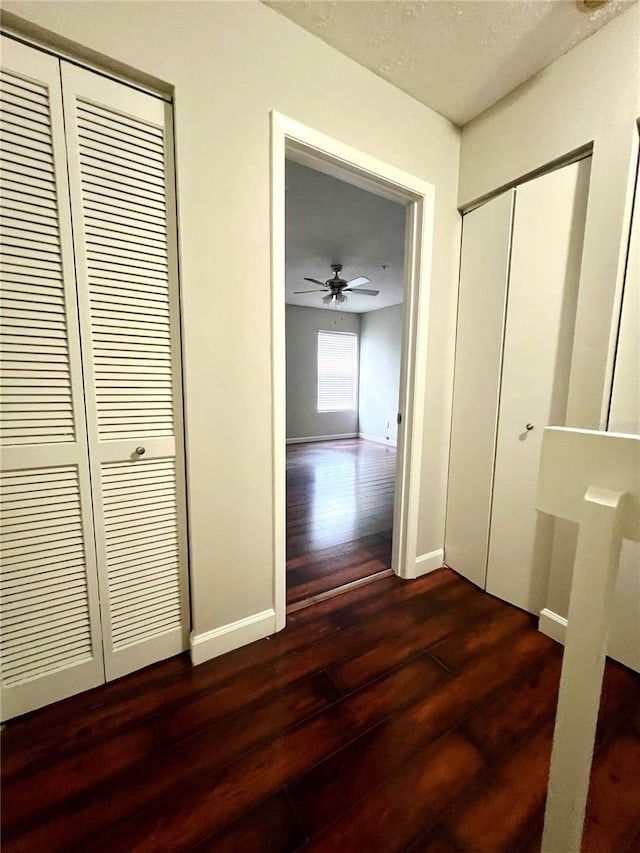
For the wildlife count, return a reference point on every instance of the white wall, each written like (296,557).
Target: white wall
(589,96)
(230,64)
(380,343)
(303,418)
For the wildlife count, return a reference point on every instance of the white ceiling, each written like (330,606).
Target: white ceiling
(456,57)
(329,221)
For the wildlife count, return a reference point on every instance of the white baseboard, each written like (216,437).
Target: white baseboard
(426,563)
(306,438)
(211,644)
(552,625)
(377,439)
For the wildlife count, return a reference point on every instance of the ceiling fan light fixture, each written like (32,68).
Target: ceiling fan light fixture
(336,288)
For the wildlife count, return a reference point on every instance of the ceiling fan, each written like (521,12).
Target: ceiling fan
(335,288)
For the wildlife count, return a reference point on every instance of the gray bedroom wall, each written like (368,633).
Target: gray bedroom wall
(303,419)
(380,342)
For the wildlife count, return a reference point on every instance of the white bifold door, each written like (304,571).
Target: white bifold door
(94,581)
(486,249)
(119,170)
(546,249)
(518,289)
(50,632)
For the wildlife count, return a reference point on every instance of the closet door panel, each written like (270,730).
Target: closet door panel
(484,270)
(545,264)
(50,646)
(120,162)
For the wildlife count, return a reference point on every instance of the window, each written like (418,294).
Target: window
(337,371)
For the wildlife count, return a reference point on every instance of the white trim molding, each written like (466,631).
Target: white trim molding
(305,438)
(378,439)
(211,644)
(552,625)
(427,563)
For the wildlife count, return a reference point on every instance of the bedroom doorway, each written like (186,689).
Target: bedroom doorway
(301,145)
(344,289)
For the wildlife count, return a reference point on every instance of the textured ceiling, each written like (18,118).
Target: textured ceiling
(329,221)
(456,57)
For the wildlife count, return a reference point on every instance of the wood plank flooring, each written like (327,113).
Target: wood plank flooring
(403,715)
(339,514)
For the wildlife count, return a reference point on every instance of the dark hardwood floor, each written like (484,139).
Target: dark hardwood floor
(398,716)
(339,514)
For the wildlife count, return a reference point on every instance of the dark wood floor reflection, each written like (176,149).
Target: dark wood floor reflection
(398,716)
(339,513)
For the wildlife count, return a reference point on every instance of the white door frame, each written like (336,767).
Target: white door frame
(295,141)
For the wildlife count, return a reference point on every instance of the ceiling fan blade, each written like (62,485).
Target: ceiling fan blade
(360,290)
(356,282)
(296,292)
(315,281)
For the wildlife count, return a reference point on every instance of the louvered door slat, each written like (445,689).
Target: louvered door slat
(110,324)
(14,511)
(122,515)
(123,207)
(54,625)
(106,266)
(22,180)
(48,645)
(23,127)
(34,299)
(100,210)
(20,97)
(130,238)
(143,185)
(26,494)
(28,210)
(120,243)
(125,587)
(21,221)
(50,638)
(130,283)
(27,597)
(160,554)
(97,143)
(116,125)
(11,85)
(32,162)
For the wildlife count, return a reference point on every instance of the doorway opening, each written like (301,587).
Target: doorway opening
(344,262)
(340,473)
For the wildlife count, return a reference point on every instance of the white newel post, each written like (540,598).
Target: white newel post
(592,478)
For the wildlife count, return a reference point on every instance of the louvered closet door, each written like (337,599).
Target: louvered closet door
(120,169)
(50,633)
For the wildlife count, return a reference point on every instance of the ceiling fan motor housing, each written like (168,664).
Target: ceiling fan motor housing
(336,280)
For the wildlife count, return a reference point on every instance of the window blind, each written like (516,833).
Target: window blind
(337,371)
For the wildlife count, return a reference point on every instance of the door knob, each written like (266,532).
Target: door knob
(140,451)
(529,427)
